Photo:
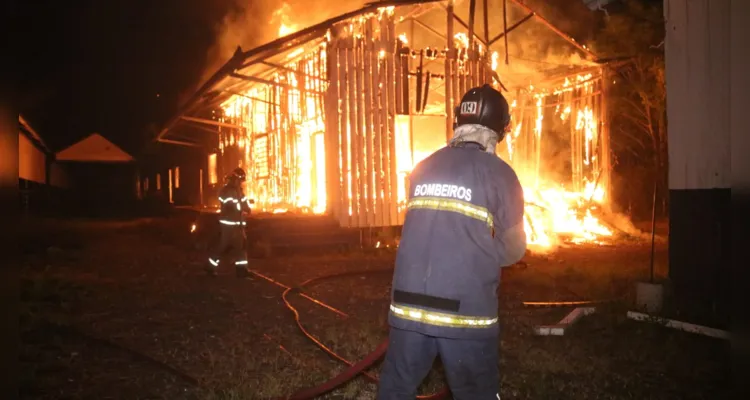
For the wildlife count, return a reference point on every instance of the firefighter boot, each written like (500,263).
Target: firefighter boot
(241,269)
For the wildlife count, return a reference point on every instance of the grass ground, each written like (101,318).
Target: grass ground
(123,310)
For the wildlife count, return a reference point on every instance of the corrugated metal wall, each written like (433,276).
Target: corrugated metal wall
(698,92)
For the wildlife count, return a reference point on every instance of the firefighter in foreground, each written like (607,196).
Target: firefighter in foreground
(464,222)
(233,205)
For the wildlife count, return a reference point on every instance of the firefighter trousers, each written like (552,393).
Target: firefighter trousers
(471,366)
(231,245)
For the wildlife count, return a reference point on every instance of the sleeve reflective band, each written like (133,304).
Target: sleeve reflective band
(225,222)
(241,262)
(441,319)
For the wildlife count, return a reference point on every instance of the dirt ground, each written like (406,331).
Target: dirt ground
(123,310)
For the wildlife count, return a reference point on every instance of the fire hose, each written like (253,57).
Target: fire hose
(354,369)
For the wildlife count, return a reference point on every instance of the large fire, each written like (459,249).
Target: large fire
(553,212)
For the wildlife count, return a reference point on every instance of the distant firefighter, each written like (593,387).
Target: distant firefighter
(464,222)
(234,204)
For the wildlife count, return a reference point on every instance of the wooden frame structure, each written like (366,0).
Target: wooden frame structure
(326,119)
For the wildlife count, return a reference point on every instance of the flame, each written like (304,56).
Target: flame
(552,212)
(282,14)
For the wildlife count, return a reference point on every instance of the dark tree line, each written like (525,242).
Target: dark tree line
(633,36)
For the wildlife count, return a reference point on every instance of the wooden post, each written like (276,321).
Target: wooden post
(402,80)
(505,30)
(368,100)
(485,14)
(605,163)
(472,12)
(200,186)
(333,181)
(448,81)
(390,112)
(377,123)
(384,121)
(343,131)
(361,134)
(575,142)
(351,76)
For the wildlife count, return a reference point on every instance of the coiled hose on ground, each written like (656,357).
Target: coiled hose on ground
(354,369)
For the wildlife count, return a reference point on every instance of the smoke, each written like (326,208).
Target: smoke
(535,50)
(249,24)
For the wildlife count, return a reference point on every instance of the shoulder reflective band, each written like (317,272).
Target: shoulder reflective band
(213,262)
(458,206)
(441,319)
(228,199)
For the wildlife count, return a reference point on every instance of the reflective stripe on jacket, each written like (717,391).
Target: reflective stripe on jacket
(464,222)
(233,204)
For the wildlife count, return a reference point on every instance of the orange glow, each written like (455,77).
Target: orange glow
(282,15)
(290,174)
(552,210)
(274,146)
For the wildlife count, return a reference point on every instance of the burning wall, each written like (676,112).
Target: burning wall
(337,123)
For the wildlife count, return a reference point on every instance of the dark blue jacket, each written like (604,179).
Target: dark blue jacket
(464,222)
(233,204)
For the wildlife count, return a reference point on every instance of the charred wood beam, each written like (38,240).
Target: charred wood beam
(283,68)
(553,28)
(426,90)
(428,28)
(211,122)
(271,83)
(449,95)
(472,12)
(505,29)
(485,12)
(418,102)
(179,142)
(387,3)
(201,127)
(496,77)
(235,61)
(465,25)
(511,28)
(251,97)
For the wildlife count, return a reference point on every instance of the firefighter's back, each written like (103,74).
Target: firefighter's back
(447,251)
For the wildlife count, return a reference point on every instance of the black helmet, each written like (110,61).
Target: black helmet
(484,106)
(237,175)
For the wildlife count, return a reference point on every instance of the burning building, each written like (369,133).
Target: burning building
(331,118)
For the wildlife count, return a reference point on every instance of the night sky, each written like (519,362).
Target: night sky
(117,67)
(97,65)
